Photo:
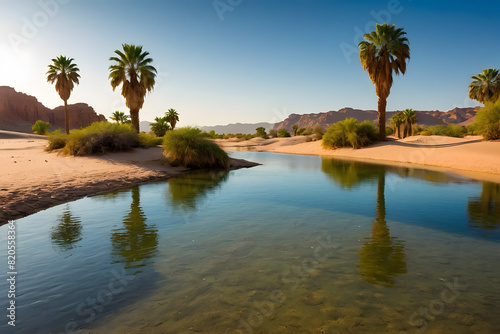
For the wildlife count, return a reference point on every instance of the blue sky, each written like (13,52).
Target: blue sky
(249,60)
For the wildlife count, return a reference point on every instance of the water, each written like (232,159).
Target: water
(298,245)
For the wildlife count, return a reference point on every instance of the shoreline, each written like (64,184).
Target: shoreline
(32,180)
(468,157)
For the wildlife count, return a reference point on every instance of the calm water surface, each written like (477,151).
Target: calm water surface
(298,245)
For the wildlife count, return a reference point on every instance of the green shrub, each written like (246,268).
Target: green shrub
(99,137)
(160,126)
(300,131)
(487,121)
(147,140)
(186,147)
(57,140)
(273,133)
(318,131)
(452,130)
(389,131)
(261,132)
(282,133)
(349,132)
(307,132)
(41,127)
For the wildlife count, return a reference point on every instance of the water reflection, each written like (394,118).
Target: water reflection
(382,257)
(135,242)
(484,211)
(185,191)
(68,232)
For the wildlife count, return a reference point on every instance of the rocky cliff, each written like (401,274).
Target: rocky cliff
(455,116)
(19,111)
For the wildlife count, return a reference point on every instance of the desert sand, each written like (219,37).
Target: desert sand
(470,156)
(32,179)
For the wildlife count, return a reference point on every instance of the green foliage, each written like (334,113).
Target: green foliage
(261,132)
(282,133)
(389,131)
(120,117)
(318,131)
(409,118)
(295,127)
(301,131)
(486,86)
(57,140)
(172,117)
(349,132)
(309,131)
(160,126)
(487,121)
(41,127)
(273,133)
(99,137)
(452,130)
(186,147)
(147,140)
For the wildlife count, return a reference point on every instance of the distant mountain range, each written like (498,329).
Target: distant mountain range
(461,116)
(237,127)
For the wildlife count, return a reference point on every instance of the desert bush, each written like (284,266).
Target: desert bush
(300,131)
(147,140)
(349,132)
(261,132)
(389,131)
(283,133)
(57,140)
(41,127)
(452,130)
(318,131)
(99,137)
(307,132)
(487,121)
(273,133)
(186,147)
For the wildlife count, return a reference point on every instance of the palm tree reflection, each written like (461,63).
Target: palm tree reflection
(135,242)
(484,211)
(68,232)
(382,257)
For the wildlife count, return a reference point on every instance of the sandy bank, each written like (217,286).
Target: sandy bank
(469,156)
(32,179)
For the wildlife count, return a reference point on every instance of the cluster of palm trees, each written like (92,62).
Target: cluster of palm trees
(131,69)
(162,124)
(406,118)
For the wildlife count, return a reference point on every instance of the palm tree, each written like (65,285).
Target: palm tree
(485,86)
(172,117)
(295,127)
(396,121)
(409,118)
(160,126)
(383,51)
(120,117)
(64,73)
(132,69)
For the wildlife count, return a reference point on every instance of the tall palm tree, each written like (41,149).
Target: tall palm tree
(485,86)
(172,117)
(120,117)
(383,51)
(132,69)
(409,118)
(64,73)
(396,121)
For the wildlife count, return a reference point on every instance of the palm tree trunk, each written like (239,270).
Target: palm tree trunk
(66,117)
(134,117)
(382,104)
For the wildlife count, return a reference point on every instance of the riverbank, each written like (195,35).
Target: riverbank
(470,156)
(32,179)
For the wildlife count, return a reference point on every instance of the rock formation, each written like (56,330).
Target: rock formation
(19,111)
(454,116)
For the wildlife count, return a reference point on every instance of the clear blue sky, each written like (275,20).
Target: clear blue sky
(249,60)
